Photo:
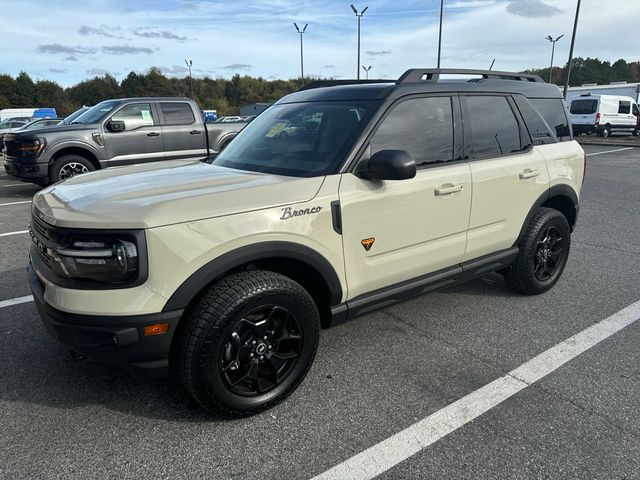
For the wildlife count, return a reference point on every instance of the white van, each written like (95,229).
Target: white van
(604,114)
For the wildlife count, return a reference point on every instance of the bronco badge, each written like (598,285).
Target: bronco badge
(288,212)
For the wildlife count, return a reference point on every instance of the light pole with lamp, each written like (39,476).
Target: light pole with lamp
(301,52)
(553,49)
(573,42)
(367,69)
(359,16)
(189,64)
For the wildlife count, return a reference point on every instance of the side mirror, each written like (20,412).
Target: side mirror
(389,165)
(115,126)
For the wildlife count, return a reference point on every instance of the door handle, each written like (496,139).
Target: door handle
(194,132)
(447,189)
(528,173)
(153,134)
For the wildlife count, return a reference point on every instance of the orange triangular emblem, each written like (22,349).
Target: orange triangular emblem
(367,243)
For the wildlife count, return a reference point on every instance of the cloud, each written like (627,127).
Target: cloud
(329,66)
(102,30)
(532,8)
(164,34)
(175,70)
(97,72)
(373,53)
(58,70)
(70,58)
(125,50)
(238,66)
(56,49)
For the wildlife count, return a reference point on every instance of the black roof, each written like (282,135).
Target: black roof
(425,81)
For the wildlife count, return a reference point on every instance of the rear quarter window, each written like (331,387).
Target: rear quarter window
(584,107)
(177,113)
(553,111)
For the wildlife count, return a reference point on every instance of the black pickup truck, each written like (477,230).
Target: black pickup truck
(116,132)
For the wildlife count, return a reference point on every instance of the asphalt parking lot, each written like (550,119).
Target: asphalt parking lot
(373,377)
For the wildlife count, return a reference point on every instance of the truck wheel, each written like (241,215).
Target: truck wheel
(543,253)
(69,166)
(248,342)
(606,132)
(636,133)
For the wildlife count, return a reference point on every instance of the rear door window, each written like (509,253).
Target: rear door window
(584,107)
(490,127)
(554,112)
(177,113)
(423,127)
(624,107)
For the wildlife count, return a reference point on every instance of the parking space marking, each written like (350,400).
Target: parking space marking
(8,234)
(406,443)
(16,301)
(14,203)
(610,151)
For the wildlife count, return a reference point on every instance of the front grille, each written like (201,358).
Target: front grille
(44,238)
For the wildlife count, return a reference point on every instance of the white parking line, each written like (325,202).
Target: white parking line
(610,151)
(18,185)
(8,234)
(390,452)
(14,203)
(16,301)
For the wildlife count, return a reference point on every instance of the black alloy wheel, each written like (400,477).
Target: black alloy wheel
(549,254)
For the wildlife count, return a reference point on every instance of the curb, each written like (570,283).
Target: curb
(605,144)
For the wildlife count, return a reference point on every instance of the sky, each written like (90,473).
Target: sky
(71,40)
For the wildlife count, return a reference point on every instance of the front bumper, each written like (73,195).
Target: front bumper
(26,171)
(112,340)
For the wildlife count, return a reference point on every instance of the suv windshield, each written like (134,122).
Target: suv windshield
(74,115)
(97,112)
(298,139)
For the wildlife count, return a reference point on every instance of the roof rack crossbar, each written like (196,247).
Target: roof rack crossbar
(433,74)
(333,83)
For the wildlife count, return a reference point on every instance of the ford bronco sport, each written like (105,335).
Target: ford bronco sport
(340,198)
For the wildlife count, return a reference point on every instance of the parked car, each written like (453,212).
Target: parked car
(72,117)
(229,119)
(28,113)
(11,124)
(34,124)
(225,270)
(113,133)
(604,114)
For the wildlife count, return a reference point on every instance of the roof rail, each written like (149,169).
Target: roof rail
(333,83)
(433,74)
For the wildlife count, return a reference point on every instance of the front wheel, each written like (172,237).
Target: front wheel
(69,166)
(248,342)
(636,133)
(544,251)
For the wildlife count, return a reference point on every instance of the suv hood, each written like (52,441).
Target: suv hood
(17,133)
(164,193)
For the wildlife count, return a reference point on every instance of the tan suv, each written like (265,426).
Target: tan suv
(340,198)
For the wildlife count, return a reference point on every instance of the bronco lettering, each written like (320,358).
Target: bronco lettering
(288,212)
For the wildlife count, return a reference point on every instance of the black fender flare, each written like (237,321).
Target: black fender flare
(562,190)
(215,269)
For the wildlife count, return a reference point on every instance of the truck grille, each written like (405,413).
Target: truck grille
(44,238)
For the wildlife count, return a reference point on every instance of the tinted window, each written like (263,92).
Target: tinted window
(554,112)
(635,110)
(537,127)
(584,107)
(421,126)
(134,116)
(298,139)
(490,127)
(177,113)
(624,107)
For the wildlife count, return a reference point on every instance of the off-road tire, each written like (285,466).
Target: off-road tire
(215,317)
(522,276)
(66,161)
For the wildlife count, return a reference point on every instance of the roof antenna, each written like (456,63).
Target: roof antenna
(491,67)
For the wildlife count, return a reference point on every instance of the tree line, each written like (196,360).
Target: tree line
(227,95)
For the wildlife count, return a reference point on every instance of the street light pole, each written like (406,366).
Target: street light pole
(440,32)
(189,64)
(301,51)
(553,49)
(359,16)
(366,69)
(573,42)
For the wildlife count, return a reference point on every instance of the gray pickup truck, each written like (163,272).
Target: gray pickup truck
(116,132)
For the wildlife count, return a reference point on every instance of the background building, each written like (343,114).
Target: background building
(616,88)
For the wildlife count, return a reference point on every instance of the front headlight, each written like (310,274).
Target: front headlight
(104,260)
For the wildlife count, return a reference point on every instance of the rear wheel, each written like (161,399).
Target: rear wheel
(636,133)
(249,342)
(69,166)
(544,251)
(606,132)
